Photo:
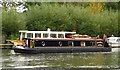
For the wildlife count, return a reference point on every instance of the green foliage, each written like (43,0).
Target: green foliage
(62,16)
(12,22)
(111,5)
(68,17)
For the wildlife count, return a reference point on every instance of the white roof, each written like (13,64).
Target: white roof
(52,32)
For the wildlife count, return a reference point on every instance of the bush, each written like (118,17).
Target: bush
(68,17)
(61,16)
(12,22)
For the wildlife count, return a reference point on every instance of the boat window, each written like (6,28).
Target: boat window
(82,43)
(111,39)
(38,35)
(60,36)
(93,43)
(68,35)
(70,43)
(118,40)
(23,35)
(29,35)
(53,36)
(45,35)
(88,43)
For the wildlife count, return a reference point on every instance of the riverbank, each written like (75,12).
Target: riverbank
(6,46)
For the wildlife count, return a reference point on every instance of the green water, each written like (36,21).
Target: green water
(60,60)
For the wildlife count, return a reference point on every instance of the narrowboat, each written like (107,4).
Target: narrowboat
(57,42)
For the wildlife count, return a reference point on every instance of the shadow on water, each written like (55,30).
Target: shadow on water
(60,61)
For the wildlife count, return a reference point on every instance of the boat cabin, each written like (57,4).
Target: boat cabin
(57,38)
(44,34)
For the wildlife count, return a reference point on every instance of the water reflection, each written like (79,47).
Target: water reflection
(60,60)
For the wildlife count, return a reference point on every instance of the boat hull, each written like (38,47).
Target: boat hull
(61,49)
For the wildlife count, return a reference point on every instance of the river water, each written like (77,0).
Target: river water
(60,60)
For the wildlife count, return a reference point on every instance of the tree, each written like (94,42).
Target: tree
(12,22)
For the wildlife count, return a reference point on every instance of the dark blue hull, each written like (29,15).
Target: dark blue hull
(61,49)
(63,42)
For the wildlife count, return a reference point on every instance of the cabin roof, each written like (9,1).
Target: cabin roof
(59,32)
